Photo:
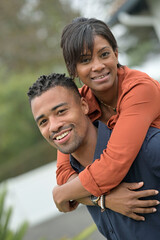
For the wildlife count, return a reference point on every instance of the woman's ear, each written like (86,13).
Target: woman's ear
(76,75)
(84,105)
(116,54)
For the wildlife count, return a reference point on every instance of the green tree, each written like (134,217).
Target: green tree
(30,33)
(22,148)
(30,47)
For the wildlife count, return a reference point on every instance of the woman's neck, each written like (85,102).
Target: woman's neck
(108,97)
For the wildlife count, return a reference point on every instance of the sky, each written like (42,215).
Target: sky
(89,8)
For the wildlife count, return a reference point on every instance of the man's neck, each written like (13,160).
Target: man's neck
(85,154)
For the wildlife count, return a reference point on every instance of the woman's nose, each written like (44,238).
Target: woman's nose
(97,65)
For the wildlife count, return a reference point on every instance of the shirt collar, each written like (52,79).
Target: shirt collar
(103,135)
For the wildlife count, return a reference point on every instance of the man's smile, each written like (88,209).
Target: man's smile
(62,135)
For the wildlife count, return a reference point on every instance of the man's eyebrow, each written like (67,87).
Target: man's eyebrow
(59,105)
(38,118)
(52,109)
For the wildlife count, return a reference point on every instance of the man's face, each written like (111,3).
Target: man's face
(61,118)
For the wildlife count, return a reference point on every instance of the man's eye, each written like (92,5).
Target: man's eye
(61,111)
(42,122)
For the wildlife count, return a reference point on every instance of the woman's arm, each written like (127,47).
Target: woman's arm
(137,110)
(123,199)
(64,170)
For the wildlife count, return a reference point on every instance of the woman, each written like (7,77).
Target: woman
(124,99)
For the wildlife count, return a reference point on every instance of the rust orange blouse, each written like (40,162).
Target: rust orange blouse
(138,108)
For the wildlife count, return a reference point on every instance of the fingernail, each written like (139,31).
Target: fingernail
(140,183)
(157,202)
(156,191)
(143,219)
(154,209)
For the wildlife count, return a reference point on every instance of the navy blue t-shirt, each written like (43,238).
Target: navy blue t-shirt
(146,168)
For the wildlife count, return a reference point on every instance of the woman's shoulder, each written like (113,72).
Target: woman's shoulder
(87,93)
(128,73)
(130,77)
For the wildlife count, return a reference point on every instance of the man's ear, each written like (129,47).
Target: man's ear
(84,105)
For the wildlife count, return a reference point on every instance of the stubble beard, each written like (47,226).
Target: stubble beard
(71,147)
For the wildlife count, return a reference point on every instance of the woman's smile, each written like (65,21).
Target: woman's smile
(102,77)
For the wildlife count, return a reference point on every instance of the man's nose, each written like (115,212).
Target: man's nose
(54,125)
(97,65)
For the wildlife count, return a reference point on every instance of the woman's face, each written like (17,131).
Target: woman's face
(99,71)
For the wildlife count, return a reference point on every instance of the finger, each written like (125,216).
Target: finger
(147,203)
(145,210)
(74,204)
(147,193)
(136,217)
(133,186)
(64,208)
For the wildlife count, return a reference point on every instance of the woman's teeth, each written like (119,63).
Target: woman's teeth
(100,77)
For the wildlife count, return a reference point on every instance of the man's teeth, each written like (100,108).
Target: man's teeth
(62,135)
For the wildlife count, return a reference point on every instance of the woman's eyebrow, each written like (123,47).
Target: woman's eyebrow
(89,54)
(103,48)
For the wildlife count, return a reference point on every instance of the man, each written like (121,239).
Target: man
(61,115)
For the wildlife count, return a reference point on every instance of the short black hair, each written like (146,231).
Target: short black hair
(78,35)
(45,82)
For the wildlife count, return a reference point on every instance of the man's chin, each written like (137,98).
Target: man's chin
(68,150)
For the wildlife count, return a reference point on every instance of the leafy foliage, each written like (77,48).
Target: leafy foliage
(5,217)
(86,233)
(30,47)
(146,38)
(7,234)
(30,33)
(22,147)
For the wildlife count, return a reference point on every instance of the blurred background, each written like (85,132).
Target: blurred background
(30,32)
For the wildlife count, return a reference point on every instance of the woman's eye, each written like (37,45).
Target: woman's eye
(85,60)
(105,54)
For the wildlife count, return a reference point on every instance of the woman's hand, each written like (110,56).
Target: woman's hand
(61,204)
(123,199)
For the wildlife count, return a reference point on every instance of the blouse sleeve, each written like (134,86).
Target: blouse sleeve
(64,170)
(138,108)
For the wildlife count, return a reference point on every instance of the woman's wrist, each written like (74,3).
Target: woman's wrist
(101,202)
